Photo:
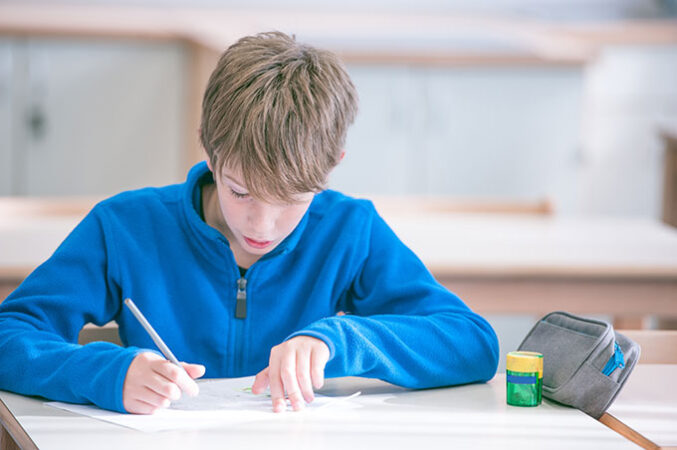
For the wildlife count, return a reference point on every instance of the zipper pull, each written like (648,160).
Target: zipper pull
(619,357)
(616,361)
(241,302)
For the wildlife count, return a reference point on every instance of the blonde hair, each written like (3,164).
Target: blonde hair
(277,112)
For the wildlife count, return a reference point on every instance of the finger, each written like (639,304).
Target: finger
(194,370)
(260,382)
(318,361)
(163,387)
(276,386)
(176,375)
(291,384)
(303,375)
(140,407)
(153,398)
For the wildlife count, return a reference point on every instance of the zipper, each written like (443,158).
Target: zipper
(241,299)
(616,361)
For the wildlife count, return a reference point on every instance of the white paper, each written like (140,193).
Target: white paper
(220,401)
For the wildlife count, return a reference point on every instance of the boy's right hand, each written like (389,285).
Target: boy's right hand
(152,383)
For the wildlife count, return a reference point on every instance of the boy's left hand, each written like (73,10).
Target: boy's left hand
(295,366)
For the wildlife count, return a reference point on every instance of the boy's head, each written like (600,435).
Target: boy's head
(276,112)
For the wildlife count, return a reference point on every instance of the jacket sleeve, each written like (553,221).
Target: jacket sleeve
(40,322)
(405,328)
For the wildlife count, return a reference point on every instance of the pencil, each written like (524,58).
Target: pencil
(152,333)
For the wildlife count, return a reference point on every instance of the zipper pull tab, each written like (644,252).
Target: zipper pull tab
(618,356)
(617,360)
(241,302)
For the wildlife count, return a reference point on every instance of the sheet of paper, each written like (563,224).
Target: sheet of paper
(220,401)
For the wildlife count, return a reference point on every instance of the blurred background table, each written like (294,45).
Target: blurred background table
(498,262)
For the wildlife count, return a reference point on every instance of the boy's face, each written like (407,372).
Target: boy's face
(253,226)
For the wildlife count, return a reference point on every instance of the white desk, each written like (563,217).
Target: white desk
(471,416)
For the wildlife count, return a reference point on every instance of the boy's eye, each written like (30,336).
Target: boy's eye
(238,194)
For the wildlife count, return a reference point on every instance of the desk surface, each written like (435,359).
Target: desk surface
(472,416)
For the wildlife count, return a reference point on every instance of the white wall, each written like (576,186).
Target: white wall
(630,94)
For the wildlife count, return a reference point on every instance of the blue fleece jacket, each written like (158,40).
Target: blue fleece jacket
(152,246)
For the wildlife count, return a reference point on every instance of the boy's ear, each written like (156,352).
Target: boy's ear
(343,153)
(209,164)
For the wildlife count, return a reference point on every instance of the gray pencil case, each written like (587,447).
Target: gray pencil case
(585,363)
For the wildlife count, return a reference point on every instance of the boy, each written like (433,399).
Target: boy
(245,267)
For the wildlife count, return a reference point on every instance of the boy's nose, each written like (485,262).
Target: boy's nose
(262,218)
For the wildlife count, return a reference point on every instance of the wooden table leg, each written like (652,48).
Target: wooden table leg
(12,435)
(6,441)
(627,432)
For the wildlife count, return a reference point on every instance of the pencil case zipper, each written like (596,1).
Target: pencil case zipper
(616,361)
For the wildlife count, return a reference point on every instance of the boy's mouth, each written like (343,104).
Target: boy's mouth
(257,244)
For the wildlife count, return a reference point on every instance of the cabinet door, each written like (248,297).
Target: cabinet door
(382,155)
(470,132)
(508,132)
(100,116)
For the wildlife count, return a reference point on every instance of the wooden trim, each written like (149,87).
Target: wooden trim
(6,441)
(46,206)
(201,62)
(87,33)
(538,297)
(454,59)
(408,205)
(620,32)
(670,178)
(6,289)
(561,273)
(627,432)
(538,42)
(13,429)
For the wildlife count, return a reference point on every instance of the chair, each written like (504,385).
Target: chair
(92,333)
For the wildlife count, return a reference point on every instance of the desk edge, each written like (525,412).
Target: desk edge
(14,428)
